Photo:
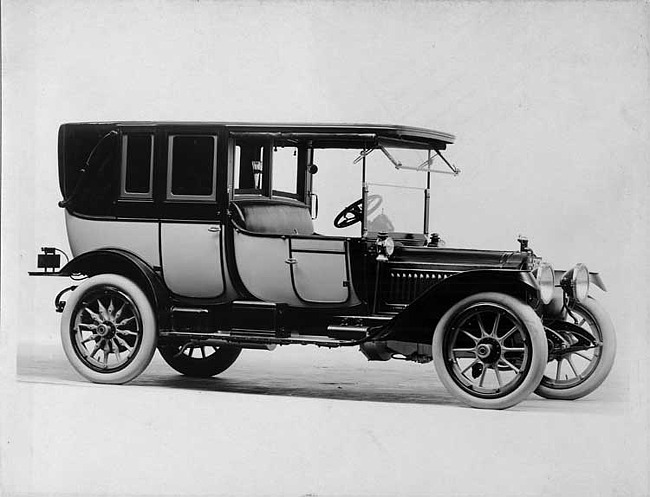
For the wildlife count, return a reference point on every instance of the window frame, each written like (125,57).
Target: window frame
(124,194)
(171,197)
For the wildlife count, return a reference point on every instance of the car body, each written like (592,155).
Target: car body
(197,239)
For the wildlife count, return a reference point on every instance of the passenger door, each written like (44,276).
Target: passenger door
(191,241)
(319,270)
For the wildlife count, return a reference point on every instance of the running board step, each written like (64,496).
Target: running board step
(191,310)
(355,327)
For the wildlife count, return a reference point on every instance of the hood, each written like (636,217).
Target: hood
(453,259)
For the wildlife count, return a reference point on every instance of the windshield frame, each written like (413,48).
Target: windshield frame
(426,167)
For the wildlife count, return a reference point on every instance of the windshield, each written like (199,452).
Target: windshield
(396,197)
(396,181)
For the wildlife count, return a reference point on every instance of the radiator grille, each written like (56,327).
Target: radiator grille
(405,285)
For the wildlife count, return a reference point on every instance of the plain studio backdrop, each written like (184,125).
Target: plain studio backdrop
(549,103)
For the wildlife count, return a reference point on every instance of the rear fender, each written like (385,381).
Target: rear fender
(417,321)
(129,265)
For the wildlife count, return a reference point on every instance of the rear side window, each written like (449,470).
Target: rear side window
(137,166)
(192,167)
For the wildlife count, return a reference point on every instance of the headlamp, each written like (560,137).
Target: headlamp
(575,283)
(545,276)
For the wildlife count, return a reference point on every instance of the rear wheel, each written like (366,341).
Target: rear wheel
(490,350)
(582,361)
(199,361)
(108,329)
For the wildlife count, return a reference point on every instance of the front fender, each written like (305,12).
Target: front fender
(417,321)
(125,263)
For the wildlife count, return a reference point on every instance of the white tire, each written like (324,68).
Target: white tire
(573,375)
(490,350)
(200,361)
(108,329)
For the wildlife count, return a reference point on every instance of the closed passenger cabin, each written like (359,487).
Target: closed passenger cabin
(218,210)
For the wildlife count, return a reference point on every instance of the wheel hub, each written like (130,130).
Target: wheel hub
(106,330)
(488,350)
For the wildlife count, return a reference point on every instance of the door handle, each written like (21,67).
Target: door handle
(291,261)
(214,229)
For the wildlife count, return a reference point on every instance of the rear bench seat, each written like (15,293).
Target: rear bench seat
(282,217)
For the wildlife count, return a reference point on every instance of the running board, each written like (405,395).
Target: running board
(253,340)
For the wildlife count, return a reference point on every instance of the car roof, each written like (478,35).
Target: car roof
(332,132)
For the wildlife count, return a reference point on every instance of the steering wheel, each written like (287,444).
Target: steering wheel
(353,213)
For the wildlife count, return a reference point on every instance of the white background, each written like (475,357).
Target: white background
(550,104)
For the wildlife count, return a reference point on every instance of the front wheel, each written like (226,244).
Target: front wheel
(108,329)
(199,361)
(490,351)
(582,360)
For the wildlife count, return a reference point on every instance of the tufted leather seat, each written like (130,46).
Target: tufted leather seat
(272,216)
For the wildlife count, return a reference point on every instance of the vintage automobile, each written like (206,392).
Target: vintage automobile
(198,239)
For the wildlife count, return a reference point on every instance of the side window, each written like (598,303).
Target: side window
(257,160)
(251,168)
(191,168)
(137,166)
(285,171)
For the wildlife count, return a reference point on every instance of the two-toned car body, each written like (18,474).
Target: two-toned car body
(198,239)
